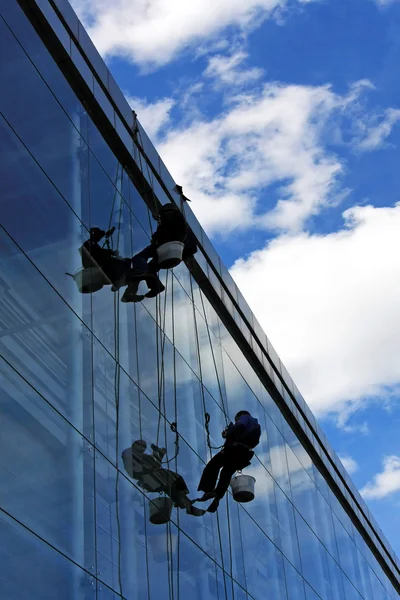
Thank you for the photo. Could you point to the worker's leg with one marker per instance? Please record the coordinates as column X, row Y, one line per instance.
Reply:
column 236, row 459
column 210, row 473
column 225, row 477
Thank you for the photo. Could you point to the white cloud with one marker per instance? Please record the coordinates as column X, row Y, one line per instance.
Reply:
column 330, row 306
column 154, row 31
column 153, row 116
column 375, row 135
column 228, row 70
column 271, row 137
column 385, row 2
column 349, row 464
column 384, row 483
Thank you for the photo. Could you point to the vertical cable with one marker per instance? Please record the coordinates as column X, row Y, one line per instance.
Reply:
column 117, row 381
column 141, row 437
column 214, row 360
column 230, row 545
column 205, row 411
column 177, row 434
column 242, row 548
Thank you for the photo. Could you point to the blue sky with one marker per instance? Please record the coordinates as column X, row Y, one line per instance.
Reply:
column 281, row 119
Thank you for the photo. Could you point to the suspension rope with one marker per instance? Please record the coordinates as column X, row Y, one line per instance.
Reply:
column 141, row 437
column 242, row 549
column 177, row 435
column 207, row 416
column 214, row 359
column 222, row 557
column 207, row 420
column 150, row 178
column 117, row 382
column 230, row 545
column 106, row 242
column 160, row 331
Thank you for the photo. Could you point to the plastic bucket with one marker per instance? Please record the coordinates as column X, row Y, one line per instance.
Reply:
column 169, row 255
column 90, row 280
column 160, row 510
column 161, row 544
column 243, row 488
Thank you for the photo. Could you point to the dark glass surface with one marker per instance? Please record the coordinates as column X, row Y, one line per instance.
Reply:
column 83, row 376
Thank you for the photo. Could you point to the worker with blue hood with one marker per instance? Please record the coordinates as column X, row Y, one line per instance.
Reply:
column 241, row 437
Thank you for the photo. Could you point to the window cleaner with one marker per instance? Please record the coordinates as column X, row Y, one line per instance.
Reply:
column 241, row 438
column 147, row 469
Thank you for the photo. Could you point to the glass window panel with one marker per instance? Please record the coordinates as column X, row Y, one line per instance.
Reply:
column 314, row 560
column 69, row 15
column 287, row 526
column 43, row 340
column 120, row 100
column 264, row 563
column 92, row 54
column 294, row 583
column 347, row 552
column 46, row 471
column 277, row 461
column 187, row 329
column 311, row 594
column 55, row 23
column 82, row 66
column 350, row 592
column 30, row 565
column 54, row 153
column 149, row 151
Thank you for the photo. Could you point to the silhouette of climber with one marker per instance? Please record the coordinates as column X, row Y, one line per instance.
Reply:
column 131, row 271
column 172, row 227
column 240, row 438
column 151, row 476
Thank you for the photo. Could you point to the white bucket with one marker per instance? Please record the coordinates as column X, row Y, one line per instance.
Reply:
column 243, row 488
column 160, row 510
column 161, row 545
column 169, row 255
column 90, row 280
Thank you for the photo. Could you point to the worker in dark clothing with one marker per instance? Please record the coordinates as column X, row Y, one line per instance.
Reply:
column 151, row 476
column 172, row 227
column 240, row 439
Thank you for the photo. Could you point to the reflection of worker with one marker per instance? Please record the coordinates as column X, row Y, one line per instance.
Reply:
column 152, row 477
column 240, row 438
column 119, row 271
column 93, row 255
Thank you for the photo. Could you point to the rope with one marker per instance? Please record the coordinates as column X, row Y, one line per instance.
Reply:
column 207, row 419
column 207, row 416
column 116, row 392
column 222, row 557
column 117, row 379
column 160, row 369
column 141, row 437
column 107, row 238
column 214, row 360
column 117, row 382
column 230, row 545
column 177, row 435
column 242, row 549
column 139, row 141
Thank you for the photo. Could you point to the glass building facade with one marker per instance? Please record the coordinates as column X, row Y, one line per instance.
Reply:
column 84, row 375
